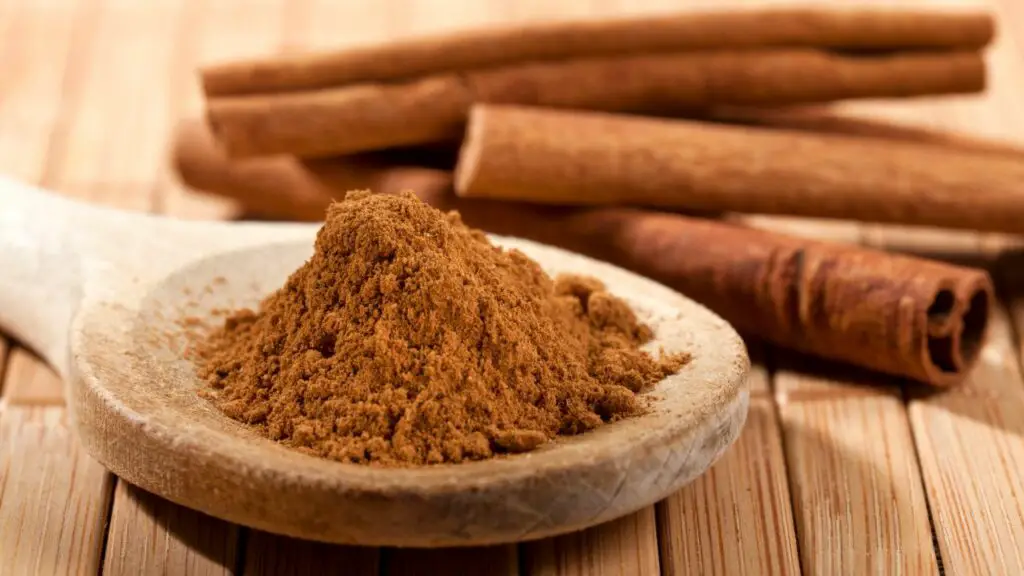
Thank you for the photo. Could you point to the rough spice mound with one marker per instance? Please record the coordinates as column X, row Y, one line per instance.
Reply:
column 409, row 339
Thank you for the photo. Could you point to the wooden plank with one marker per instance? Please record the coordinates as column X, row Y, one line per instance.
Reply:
column 970, row 439
column 149, row 535
column 273, row 555
column 857, row 493
column 483, row 560
column 962, row 456
column 53, row 497
column 627, row 547
column 737, row 518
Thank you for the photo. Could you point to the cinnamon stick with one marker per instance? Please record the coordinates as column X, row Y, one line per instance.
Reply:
column 376, row 116
column 852, row 29
column 905, row 316
column 901, row 315
column 550, row 156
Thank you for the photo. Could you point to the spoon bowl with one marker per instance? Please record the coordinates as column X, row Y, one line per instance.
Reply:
column 109, row 298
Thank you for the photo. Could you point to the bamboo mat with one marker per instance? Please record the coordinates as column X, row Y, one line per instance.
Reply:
column 835, row 472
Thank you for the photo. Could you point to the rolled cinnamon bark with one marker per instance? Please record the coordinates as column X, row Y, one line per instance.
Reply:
column 855, row 28
column 367, row 117
column 906, row 316
column 901, row 315
column 551, row 156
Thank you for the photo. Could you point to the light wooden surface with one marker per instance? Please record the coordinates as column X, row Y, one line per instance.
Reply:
column 829, row 476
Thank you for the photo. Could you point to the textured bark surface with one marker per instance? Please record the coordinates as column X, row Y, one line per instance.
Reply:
column 550, row 156
column 830, row 27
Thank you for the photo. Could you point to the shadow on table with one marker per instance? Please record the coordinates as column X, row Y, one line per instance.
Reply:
column 214, row 540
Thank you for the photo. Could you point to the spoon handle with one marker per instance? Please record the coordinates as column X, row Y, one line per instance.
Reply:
column 42, row 239
column 55, row 252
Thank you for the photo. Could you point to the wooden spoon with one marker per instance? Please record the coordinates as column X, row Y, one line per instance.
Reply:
column 100, row 294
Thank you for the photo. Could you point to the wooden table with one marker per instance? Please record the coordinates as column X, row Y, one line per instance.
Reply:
column 835, row 473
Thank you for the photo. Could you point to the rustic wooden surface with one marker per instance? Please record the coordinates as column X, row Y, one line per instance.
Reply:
column 835, row 473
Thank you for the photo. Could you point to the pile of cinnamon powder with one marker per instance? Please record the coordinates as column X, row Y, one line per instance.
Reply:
column 408, row 339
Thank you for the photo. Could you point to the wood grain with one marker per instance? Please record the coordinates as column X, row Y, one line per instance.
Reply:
column 737, row 518
column 971, row 445
column 149, row 535
column 31, row 382
column 35, row 45
column 624, row 547
column 53, row 497
column 859, row 504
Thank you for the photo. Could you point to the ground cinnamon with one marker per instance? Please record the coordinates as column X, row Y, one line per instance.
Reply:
column 363, row 117
column 852, row 29
column 408, row 339
column 550, row 156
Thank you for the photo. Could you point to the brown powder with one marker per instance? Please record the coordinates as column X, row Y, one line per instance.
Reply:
column 409, row 339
